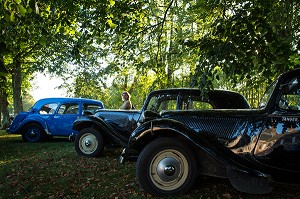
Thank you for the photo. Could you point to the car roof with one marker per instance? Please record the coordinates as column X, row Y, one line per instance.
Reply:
column 221, row 99
column 192, row 90
column 44, row 101
column 289, row 74
column 224, row 99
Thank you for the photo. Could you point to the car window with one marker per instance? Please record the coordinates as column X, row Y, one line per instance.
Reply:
column 162, row 102
column 290, row 96
column 266, row 97
column 177, row 102
column 169, row 104
column 68, row 108
column 48, row 109
column 191, row 102
column 91, row 107
column 197, row 105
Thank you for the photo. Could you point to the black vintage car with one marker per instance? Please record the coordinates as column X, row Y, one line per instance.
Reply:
column 114, row 127
column 254, row 148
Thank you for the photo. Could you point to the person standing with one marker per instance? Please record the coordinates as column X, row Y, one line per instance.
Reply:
column 126, row 101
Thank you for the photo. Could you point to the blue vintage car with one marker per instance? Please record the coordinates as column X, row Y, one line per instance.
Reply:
column 52, row 117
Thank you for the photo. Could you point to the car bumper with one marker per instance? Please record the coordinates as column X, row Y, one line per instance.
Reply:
column 9, row 131
column 72, row 137
column 128, row 155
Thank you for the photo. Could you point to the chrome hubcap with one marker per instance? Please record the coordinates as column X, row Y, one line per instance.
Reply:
column 32, row 133
column 88, row 143
column 169, row 170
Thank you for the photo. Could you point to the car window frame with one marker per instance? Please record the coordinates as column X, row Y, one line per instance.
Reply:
column 51, row 111
column 286, row 90
column 68, row 105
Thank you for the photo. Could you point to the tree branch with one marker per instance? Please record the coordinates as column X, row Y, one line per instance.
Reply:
column 162, row 26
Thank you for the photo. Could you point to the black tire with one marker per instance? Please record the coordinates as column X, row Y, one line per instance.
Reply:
column 33, row 132
column 89, row 142
column 166, row 167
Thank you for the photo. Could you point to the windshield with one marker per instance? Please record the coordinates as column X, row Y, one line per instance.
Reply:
column 266, row 97
column 290, row 95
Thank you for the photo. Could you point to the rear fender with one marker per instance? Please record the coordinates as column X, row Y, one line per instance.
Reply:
column 17, row 129
column 17, row 122
column 39, row 121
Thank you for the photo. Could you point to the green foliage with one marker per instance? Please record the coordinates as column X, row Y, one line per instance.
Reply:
column 108, row 89
column 3, row 71
column 102, row 48
column 27, row 27
column 28, row 102
column 188, row 44
column 148, row 39
column 249, row 38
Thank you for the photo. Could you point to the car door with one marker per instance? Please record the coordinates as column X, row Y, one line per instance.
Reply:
column 64, row 118
column 279, row 143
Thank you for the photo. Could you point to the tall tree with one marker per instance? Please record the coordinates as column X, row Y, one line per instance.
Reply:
column 26, row 28
column 4, row 114
column 35, row 33
column 88, row 41
column 248, row 39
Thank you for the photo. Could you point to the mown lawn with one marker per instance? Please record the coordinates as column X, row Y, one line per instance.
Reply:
column 53, row 170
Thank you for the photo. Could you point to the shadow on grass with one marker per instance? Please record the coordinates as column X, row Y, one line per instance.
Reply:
column 53, row 169
column 206, row 187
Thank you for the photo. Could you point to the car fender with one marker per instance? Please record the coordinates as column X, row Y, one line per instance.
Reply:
column 17, row 129
column 150, row 130
column 92, row 121
column 18, row 119
column 164, row 127
column 202, row 141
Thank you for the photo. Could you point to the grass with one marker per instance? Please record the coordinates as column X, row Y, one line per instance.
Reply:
column 53, row 170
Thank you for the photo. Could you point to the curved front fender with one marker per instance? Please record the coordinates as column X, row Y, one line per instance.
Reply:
column 161, row 127
column 199, row 141
column 92, row 121
column 87, row 121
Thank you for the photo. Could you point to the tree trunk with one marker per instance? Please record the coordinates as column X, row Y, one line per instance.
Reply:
column 17, row 88
column 5, row 122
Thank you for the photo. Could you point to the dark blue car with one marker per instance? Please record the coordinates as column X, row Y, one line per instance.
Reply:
column 52, row 117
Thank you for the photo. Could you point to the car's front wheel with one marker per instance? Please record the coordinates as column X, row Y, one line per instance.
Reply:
column 33, row 133
column 89, row 142
column 166, row 167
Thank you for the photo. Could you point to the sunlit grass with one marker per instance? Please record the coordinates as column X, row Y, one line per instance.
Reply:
column 4, row 135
